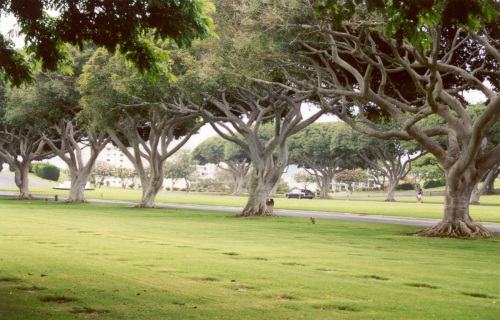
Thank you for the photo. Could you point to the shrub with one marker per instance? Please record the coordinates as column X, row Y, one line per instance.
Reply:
column 405, row 186
column 167, row 188
column 434, row 184
column 47, row 171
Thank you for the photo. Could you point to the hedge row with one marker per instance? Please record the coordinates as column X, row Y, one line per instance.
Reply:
column 434, row 184
column 46, row 171
column 405, row 186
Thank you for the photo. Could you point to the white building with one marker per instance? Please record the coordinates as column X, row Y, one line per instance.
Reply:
column 115, row 157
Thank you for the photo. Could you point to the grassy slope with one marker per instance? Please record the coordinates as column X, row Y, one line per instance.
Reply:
column 175, row 264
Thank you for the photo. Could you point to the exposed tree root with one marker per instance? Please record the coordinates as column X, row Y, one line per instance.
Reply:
column 457, row 229
column 390, row 200
column 75, row 201
column 24, row 196
column 140, row 205
column 265, row 213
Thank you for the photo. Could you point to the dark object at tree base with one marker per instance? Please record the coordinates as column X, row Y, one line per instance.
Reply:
column 76, row 201
column 255, row 214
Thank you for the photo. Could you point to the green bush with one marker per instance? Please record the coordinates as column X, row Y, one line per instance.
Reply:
column 47, row 171
column 405, row 186
column 434, row 184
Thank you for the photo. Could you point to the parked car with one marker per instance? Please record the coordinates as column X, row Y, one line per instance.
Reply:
column 304, row 193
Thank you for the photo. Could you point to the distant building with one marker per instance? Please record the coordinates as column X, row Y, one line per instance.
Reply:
column 115, row 157
column 207, row 171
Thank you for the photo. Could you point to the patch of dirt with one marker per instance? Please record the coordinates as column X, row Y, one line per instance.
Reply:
column 86, row 311
column 205, row 279
column 374, row 277
column 9, row 279
column 479, row 295
column 31, row 289
column 294, row 264
column 337, row 307
column 58, row 299
column 421, row 285
column 282, row 297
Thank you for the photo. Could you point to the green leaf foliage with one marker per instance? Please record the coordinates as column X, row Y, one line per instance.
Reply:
column 117, row 26
column 408, row 19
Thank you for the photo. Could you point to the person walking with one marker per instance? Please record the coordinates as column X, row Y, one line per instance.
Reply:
column 420, row 193
column 347, row 193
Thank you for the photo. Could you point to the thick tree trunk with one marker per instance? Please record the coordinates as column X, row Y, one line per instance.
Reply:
column 256, row 204
column 239, row 181
column 274, row 188
column 475, row 196
column 324, row 186
column 490, row 187
column 457, row 222
column 265, row 175
column 489, row 182
column 393, row 184
column 152, row 187
column 148, row 198
column 21, row 178
column 78, row 182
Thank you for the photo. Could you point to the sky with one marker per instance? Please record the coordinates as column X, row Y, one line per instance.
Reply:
column 7, row 23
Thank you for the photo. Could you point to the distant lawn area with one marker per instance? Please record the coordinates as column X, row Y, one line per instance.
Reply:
column 405, row 206
column 65, row 261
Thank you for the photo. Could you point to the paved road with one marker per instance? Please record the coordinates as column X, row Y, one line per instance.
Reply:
column 413, row 222
column 7, row 181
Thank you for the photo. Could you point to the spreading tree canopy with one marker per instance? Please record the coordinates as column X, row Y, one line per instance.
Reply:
column 413, row 60
column 118, row 26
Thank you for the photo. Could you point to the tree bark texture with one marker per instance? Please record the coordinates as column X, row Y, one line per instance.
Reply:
column 21, row 177
column 391, row 189
column 457, row 222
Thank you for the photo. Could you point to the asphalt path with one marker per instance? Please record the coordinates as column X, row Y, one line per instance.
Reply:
column 413, row 222
column 7, row 181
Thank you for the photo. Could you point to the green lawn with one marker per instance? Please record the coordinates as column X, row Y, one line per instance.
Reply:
column 115, row 262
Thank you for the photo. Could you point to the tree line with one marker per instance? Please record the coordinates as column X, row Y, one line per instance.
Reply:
column 393, row 71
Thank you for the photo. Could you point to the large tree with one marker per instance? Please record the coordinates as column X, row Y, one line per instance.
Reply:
column 414, row 67
column 129, row 108
column 115, row 25
column 239, row 115
column 226, row 156
column 20, row 143
column 51, row 106
column 314, row 150
column 392, row 158
column 239, row 109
